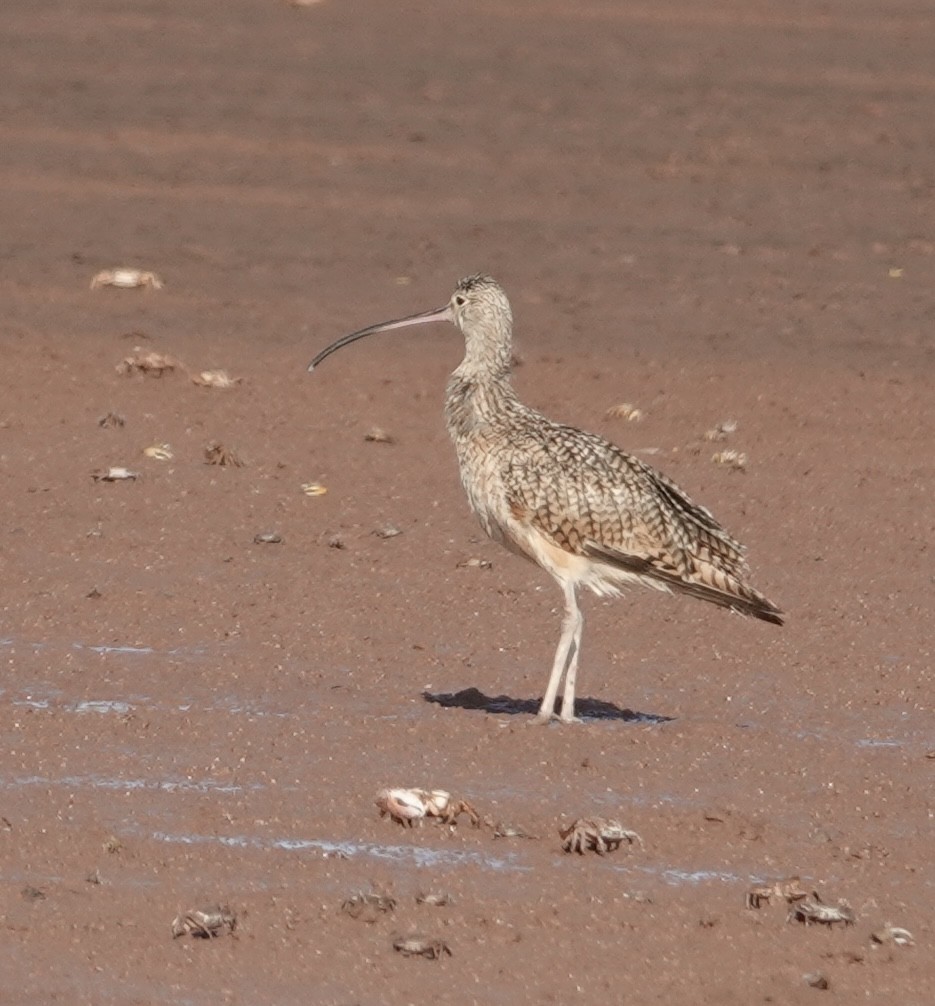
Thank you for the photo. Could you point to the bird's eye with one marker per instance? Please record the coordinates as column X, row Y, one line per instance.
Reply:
column 459, row 300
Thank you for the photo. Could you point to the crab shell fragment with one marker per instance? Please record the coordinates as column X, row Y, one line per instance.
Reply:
column 115, row 474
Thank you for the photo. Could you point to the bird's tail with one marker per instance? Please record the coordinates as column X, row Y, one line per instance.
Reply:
column 706, row 582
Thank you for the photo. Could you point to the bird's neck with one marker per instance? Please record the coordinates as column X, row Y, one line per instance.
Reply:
column 474, row 398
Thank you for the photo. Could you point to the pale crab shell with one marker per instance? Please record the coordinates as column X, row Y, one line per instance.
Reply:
column 402, row 804
column 126, row 279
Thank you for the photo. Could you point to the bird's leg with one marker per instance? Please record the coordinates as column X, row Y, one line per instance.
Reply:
column 571, row 672
column 565, row 660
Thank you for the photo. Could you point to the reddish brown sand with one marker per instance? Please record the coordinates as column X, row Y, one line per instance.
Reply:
column 710, row 210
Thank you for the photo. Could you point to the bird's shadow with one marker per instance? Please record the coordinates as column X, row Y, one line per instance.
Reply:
column 585, row 709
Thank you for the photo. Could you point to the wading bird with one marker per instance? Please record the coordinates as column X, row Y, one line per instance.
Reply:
column 571, row 502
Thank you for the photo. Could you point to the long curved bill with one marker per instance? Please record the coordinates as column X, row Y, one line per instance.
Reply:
column 438, row 314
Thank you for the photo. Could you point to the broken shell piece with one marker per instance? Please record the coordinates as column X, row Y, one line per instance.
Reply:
column 722, row 430
column 146, row 361
column 215, row 379
column 159, row 452
column 377, row 435
column 368, row 906
column 387, row 531
column 597, row 833
column 217, row 454
column 204, row 922
column 421, row 946
column 625, row 411
column 313, row 489
column 114, row 474
column 126, row 279
column 893, row 934
column 267, row 538
column 735, row 460
column 436, row 899
column 813, row 909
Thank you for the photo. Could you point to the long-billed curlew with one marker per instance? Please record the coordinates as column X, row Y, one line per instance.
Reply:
column 570, row 501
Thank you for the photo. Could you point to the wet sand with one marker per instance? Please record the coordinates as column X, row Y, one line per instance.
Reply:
column 716, row 212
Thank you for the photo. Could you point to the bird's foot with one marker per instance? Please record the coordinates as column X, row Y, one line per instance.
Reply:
column 543, row 719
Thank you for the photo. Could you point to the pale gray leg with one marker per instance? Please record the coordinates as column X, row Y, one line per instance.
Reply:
column 566, row 659
column 571, row 673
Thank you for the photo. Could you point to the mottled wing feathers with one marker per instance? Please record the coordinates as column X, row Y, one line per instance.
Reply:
column 592, row 499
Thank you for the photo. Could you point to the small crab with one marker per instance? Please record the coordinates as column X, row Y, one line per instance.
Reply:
column 204, row 922
column 722, row 431
column 147, row 361
column 501, row 830
column 812, row 909
column 421, row 946
column 377, row 435
column 434, row 898
column 217, row 454
column 159, row 452
column 126, row 279
column 889, row 933
column 789, row 890
column 215, row 379
column 597, row 833
column 625, row 411
column 410, row 805
column 475, row 564
column 114, row 474
column 735, row 460
column 368, row 906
